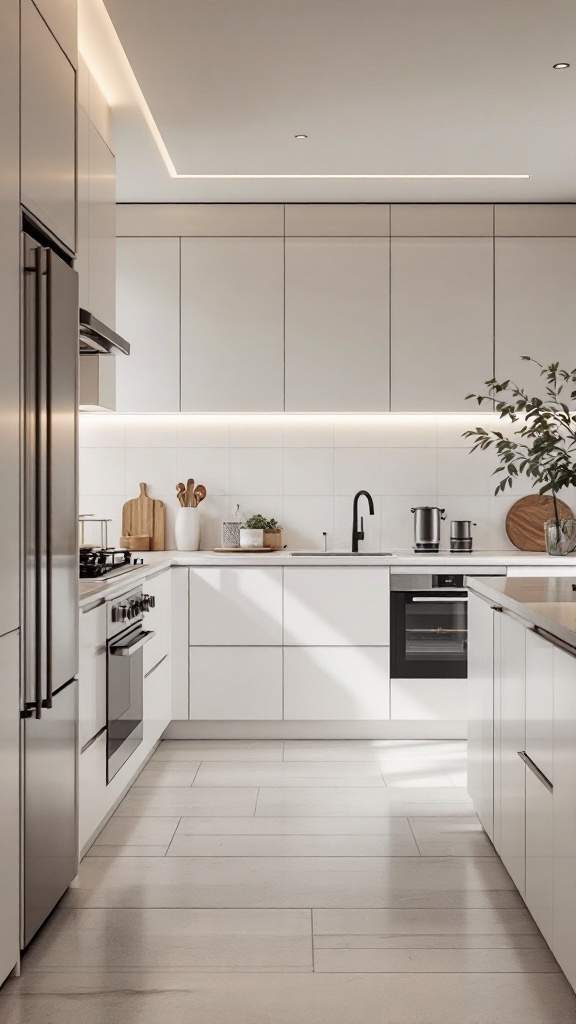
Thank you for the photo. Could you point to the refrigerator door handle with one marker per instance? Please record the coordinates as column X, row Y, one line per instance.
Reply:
column 39, row 427
column 45, row 458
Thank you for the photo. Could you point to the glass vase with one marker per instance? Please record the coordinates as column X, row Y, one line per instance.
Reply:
column 560, row 536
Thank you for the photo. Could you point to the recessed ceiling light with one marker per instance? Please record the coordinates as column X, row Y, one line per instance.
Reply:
column 560, row 67
column 300, row 136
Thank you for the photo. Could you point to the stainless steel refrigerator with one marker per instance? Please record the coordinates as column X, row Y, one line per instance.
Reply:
column 50, row 573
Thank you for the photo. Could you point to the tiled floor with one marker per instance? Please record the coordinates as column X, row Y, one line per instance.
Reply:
column 273, row 883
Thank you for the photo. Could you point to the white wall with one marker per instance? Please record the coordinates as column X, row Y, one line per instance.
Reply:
column 302, row 470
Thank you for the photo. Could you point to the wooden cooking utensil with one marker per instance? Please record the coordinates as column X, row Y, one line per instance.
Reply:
column 181, row 494
column 525, row 520
column 189, row 492
column 199, row 494
column 144, row 517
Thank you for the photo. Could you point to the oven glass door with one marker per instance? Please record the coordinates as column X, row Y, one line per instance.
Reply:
column 125, row 697
column 429, row 634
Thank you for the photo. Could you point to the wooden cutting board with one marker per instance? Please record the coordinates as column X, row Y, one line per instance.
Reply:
column 144, row 516
column 525, row 520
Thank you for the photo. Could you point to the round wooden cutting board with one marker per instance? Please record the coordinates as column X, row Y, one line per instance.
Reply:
column 525, row 520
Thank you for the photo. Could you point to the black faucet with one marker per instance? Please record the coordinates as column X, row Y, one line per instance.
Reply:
column 358, row 534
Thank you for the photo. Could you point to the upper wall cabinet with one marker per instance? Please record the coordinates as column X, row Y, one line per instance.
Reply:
column 337, row 324
column 62, row 17
column 48, row 131
column 535, row 305
column 441, row 321
column 232, row 325
column 148, row 316
column 102, row 229
column 320, row 220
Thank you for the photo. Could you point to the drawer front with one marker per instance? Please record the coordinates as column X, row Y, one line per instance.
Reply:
column 236, row 683
column 540, row 855
column 236, row 606
column 428, row 700
column 336, row 683
column 92, row 674
column 337, row 607
column 157, row 701
column 158, row 619
column 540, row 703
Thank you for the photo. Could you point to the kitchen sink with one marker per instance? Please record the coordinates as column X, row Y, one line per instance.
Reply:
column 341, row 554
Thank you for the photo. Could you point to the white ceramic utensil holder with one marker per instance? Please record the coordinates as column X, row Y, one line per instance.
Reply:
column 251, row 538
column 187, row 529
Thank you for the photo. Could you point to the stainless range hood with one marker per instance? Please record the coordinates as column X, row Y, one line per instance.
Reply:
column 98, row 347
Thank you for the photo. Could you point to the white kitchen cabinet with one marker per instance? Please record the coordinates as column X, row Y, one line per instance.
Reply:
column 331, row 606
column 337, row 325
column 564, row 944
column 481, row 709
column 180, row 650
column 535, row 311
column 232, row 325
column 540, row 702
column 157, row 700
column 539, row 894
column 102, row 230
column 62, row 18
column 158, row 619
column 233, row 607
column 94, row 796
column 92, row 674
column 48, row 128
column 236, row 683
column 148, row 316
column 9, row 802
column 325, row 220
column 428, row 700
column 510, row 797
column 441, row 318
column 82, row 261
column 336, row 683
column 442, row 220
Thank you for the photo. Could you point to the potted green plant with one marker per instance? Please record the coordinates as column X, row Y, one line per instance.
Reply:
column 261, row 532
column 543, row 447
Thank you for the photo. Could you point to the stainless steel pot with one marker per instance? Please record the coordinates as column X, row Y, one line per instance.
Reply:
column 427, row 519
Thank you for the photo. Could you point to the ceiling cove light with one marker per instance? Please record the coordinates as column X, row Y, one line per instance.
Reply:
column 560, row 67
column 106, row 58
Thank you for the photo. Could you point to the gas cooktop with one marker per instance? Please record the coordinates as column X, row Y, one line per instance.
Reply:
column 98, row 562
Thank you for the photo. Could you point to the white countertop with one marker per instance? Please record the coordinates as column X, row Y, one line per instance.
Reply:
column 155, row 561
column 548, row 603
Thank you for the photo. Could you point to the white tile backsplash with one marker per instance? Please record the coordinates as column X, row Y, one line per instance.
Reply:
column 301, row 470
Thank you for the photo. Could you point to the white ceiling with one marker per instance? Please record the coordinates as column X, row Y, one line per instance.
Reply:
column 379, row 87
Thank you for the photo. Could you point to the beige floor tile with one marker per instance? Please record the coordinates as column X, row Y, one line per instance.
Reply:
column 160, row 774
column 191, row 940
column 366, row 826
column 342, row 802
column 220, row 750
column 431, row 941
column 451, row 837
column 377, row 924
column 408, row 773
column 447, row 961
column 307, row 773
column 138, row 831
column 285, row 882
column 158, row 998
column 375, row 750
column 127, row 851
column 293, row 846
column 170, row 801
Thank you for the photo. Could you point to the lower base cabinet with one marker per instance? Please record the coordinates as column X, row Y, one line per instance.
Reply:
column 564, row 944
column 157, row 701
column 336, row 683
column 236, row 683
column 539, row 894
column 510, row 778
column 428, row 700
column 94, row 799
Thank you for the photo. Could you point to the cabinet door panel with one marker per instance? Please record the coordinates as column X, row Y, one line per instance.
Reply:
column 48, row 140
column 158, row 619
column 441, row 321
column 102, row 213
column 236, row 683
column 157, row 701
column 148, row 316
column 336, row 683
column 82, row 262
column 540, row 702
column 232, row 325
column 565, row 813
column 481, row 710
column 535, row 312
column 337, row 325
column 540, row 855
column 9, row 802
column 336, row 607
column 236, row 606
column 92, row 674
column 428, row 700
column 512, row 740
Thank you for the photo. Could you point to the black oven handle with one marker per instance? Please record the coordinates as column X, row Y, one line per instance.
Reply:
column 125, row 650
column 436, row 600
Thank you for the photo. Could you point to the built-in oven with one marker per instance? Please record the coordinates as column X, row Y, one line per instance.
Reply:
column 429, row 622
column 126, row 639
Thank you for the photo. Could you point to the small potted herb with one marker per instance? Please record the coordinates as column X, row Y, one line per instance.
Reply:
column 259, row 532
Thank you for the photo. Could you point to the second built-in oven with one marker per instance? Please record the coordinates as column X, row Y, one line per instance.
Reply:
column 125, row 677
